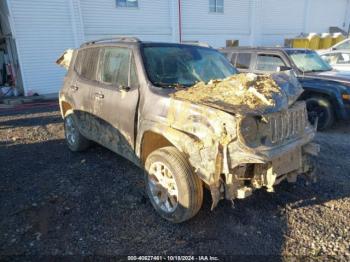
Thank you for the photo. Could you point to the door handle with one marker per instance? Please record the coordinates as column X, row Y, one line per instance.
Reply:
column 124, row 88
column 99, row 95
column 74, row 87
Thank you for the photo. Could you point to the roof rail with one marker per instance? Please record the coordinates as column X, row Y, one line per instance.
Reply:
column 203, row 44
column 110, row 39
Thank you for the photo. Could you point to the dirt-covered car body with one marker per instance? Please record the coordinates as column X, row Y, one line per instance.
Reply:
column 231, row 151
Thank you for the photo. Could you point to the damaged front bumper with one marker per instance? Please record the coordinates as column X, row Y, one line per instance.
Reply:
column 245, row 171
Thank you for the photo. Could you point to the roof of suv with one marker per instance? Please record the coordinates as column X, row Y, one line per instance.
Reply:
column 122, row 39
column 249, row 48
column 135, row 40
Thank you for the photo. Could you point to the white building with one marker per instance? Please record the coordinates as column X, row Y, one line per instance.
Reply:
column 38, row 31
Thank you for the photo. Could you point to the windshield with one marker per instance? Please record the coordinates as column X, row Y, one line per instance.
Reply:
column 343, row 45
column 309, row 61
column 182, row 65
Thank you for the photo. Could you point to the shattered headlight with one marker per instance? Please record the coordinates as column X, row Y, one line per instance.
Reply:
column 248, row 131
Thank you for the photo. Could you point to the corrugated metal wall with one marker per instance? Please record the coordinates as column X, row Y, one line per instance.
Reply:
column 201, row 25
column 282, row 19
column 151, row 20
column 43, row 29
column 325, row 13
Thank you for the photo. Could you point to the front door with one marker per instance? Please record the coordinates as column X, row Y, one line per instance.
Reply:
column 116, row 98
column 267, row 63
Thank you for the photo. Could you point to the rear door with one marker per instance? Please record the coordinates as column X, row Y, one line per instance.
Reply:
column 116, row 98
column 242, row 61
column 83, row 80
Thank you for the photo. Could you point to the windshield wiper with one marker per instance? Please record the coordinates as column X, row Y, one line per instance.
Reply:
column 171, row 85
column 315, row 71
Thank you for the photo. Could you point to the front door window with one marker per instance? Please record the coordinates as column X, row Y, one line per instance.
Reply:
column 115, row 67
column 268, row 63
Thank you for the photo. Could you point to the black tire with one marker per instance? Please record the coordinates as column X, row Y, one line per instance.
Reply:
column 75, row 140
column 322, row 108
column 189, row 186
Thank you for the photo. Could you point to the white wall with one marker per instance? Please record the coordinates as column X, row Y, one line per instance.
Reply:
column 42, row 31
column 150, row 21
column 215, row 28
column 258, row 22
column 282, row 19
column 325, row 13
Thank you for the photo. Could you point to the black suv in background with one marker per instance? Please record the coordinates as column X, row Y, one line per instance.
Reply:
column 327, row 91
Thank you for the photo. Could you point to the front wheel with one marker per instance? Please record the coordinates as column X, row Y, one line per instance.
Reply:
column 320, row 108
column 175, row 191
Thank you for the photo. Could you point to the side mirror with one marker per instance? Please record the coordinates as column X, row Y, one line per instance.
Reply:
column 283, row 68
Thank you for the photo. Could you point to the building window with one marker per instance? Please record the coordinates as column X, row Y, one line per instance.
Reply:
column 127, row 3
column 216, row 6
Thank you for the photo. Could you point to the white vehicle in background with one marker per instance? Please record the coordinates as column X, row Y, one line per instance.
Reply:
column 343, row 45
column 338, row 59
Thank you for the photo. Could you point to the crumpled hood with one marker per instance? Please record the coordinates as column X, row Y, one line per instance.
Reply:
column 333, row 75
column 289, row 84
column 267, row 94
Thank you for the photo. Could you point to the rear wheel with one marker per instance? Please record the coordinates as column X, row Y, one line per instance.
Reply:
column 175, row 191
column 74, row 139
column 321, row 108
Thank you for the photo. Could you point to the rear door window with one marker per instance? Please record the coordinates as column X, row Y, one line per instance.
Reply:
column 233, row 59
column 86, row 63
column 78, row 62
column 268, row 63
column 134, row 81
column 243, row 60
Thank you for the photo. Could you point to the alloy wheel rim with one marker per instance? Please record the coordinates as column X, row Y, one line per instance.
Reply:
column 70, row 131
column 163, row 188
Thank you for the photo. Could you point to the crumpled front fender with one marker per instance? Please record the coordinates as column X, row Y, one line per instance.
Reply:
column 183, row 141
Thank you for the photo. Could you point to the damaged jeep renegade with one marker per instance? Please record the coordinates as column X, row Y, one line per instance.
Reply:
column 183, row 114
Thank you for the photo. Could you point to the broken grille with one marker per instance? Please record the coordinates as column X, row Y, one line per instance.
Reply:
column 287, row 124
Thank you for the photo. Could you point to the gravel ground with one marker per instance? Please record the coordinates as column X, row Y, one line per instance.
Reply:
column 55, row 202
